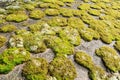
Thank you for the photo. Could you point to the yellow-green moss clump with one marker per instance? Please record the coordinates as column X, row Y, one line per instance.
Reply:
column 110, row 58
column 89, row 34
column 2, row 40
column 17, row 17
column 50, row 5
column 103, row 30
column 36, row 26
column 32, row 42
column 52, row 12
column 59, row 46
column 76, row 23
column 95, row 72
column 29, row 6
column 84, row 6
column 53, row 1
column 117, row 45
column 62, row 68
column 71, row 34
column 8, row 28
column 94, row 12
column 35, row 69
column 57, row 21
column 66, row 12
column 12, row 57
column 37, row 14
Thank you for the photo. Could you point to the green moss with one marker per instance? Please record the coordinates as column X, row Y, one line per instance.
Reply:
column 94, row 12
column 29, row 7
column 2, row 19
column 84, row 59
column 8, row 28
column 53, row 1
column 95, row 72
column 52, row 12
column 66, row 12
column 35, row 69
column 67, row 1
column 49, row 5
column 110, row 58
column 71, row 34
column 76, row 23
column 94, row 6
column 12, row 57
column 117, row 45
column 6, row 68
column 57, row 21
column 76, row 12
column 32, row 42
column 86, row 18
column 89, row 34
column 59, row 46
column 103, row 30
column 37, row 14
column 36, row 26
column 84, row 6
column 62, row 68
column 2, row 40
column 17, row 17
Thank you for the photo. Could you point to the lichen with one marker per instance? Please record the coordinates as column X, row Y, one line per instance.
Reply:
column 2, row 40
column 52, row 12
column 12, row 57
column 37, row 14
column 35, row 69
column 17, row 17
column 57, row 21
column 8, row 28
column 110, row 58
column 62, row 68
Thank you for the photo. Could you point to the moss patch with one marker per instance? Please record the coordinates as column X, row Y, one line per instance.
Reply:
column 32, row 42
column 110, row 58
column 52, row 12
column 95, row 72
column 71, row 34
column 84, row 6
column 89, row 34
column 37, row 14
column 17, row 17
column 94, row 12
column 57, row 21
column 2, row 40
column 12, row 57
column 35, row 69
column 117, row 45
column 8, row 28
column 56, row 44
column 66, row 12
column 62, row 68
